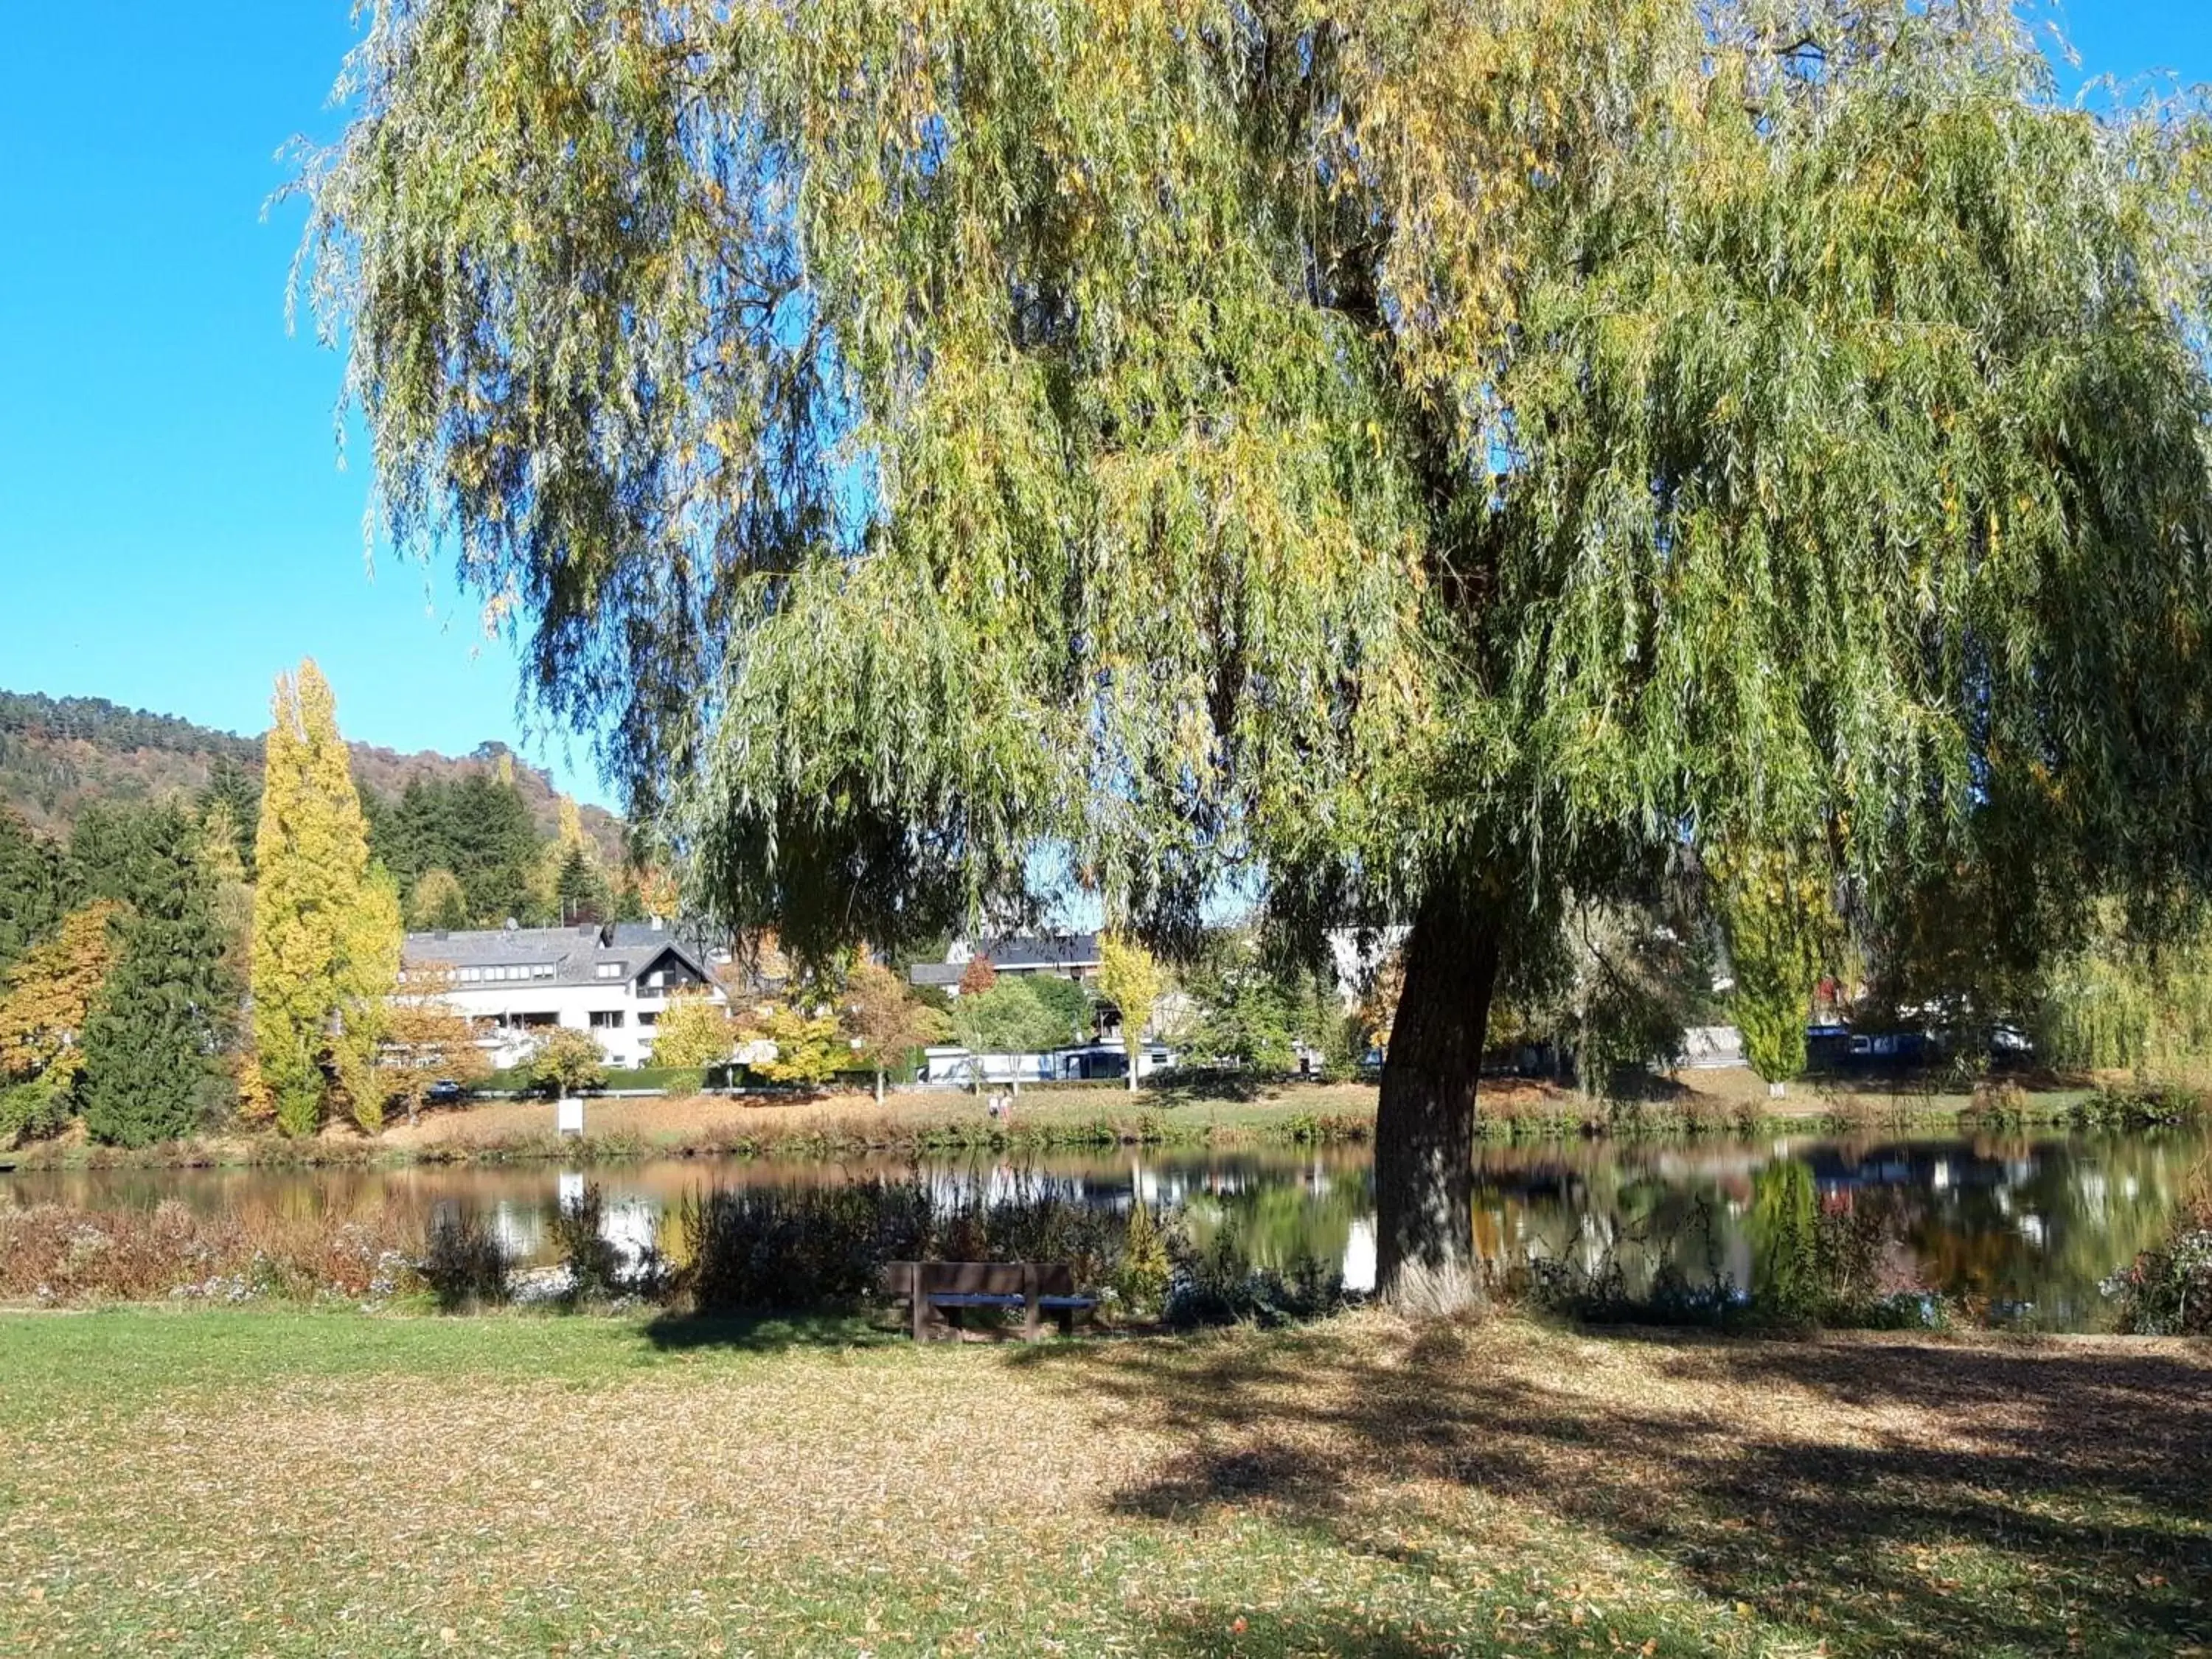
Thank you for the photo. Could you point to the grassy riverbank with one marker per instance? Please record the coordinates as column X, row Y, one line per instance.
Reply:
column 272, row 1483
column 1070, row 1118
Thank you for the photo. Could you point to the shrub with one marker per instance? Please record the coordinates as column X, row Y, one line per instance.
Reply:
column 756, row 1248
column 593, row 1265
column 2142, row 1107
column 465, row 1264
column 58, row 1253
column 33, row 1111
column 675, row 1079
column 2167, row 1292
column 1146, row 1266
column 1810, row 1266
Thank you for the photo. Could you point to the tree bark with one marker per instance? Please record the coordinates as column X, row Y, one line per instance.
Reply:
column 1425, row 1122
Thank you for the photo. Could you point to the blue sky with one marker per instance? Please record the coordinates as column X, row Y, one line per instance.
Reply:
column 174, row 528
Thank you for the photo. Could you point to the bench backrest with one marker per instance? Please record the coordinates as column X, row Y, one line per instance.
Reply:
column 980, row 1278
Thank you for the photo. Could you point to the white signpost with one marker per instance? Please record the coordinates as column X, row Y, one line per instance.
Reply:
column 568, row 1116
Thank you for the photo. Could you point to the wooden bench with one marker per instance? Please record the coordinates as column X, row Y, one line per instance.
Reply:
column 940, row 1293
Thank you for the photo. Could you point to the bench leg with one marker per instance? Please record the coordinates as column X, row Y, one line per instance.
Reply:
column 1067, row 1321
column 920, row 1316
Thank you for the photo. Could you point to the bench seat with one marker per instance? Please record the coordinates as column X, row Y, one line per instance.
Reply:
column 936, row 1293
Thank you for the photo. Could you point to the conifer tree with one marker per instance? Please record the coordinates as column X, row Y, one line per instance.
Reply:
column 230, row 790
column 325, row 928
column 32, row 886
column 157, row 1040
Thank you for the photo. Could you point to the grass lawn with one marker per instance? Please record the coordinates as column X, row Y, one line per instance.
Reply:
column 327, row 1484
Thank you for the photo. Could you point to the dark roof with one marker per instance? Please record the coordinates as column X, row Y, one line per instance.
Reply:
column 575, row 953
column 1059, row 952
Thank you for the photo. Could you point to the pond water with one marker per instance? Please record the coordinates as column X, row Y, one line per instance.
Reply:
column 2025, row 1227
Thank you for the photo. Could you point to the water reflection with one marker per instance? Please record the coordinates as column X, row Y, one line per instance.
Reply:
column 2027, row 1228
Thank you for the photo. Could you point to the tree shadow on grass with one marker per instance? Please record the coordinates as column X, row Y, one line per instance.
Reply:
column 768, row 1333
column 1925, row 1496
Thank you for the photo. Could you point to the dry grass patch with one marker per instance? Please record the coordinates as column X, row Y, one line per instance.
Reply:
column 289, row 1483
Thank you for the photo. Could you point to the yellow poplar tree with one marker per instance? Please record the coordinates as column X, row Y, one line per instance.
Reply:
column 438, row 902
column 1131, row 981
column 325, row 926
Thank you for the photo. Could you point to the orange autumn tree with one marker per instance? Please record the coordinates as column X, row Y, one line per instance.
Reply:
column 425, row 1039
column 885, row 1021
column 45, row 1000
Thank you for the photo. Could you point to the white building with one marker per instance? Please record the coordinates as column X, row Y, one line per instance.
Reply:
column 611, row 979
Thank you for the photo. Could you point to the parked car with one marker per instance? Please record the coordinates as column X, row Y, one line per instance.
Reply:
column 444, row 1092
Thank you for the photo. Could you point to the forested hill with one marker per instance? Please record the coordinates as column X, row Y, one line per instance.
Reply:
column 59, row 755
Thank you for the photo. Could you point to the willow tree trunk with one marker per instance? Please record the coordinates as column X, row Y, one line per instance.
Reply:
column 1425, row 1124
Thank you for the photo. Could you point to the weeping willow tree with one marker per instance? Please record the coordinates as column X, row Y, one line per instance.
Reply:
column 2122, row 1000
column 1415, row 460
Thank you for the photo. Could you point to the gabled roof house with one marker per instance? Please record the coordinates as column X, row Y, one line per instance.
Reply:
column 611, row 979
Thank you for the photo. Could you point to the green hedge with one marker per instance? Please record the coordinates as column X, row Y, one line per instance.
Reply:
column 676, row 1079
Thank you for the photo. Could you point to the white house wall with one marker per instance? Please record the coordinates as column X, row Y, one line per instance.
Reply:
column 628, row 1044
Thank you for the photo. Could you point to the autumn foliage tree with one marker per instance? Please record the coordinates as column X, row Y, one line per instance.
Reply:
column 885, row 1021
column 695, row 1030
column 45, row 1000
column 424, row 1039
column 1432, row 456
column 327, row 925
column 437, row 902
column 810, row 1047
column 1132, row 981
column 566, row 1060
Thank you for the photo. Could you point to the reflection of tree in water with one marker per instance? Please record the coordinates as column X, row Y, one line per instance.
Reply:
column 1310, row 1213
column 1596, row 1212
column 2033, row 1230
column 2028, row 1230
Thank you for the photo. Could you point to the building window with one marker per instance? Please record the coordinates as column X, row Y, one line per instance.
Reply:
column 606, row 1019
column 613, row 969
column 650, row 1017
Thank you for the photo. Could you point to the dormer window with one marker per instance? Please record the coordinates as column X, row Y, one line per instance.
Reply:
column 613, row 969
